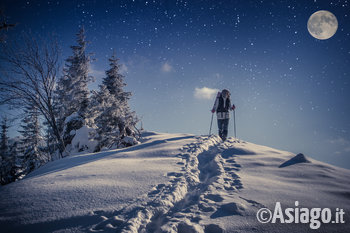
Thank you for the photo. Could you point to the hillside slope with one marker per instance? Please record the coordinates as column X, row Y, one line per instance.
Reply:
column 174, row 183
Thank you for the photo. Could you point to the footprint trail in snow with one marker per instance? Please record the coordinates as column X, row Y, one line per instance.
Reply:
column 206, row 189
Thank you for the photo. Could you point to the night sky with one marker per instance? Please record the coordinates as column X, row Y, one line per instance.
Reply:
column 290, row 89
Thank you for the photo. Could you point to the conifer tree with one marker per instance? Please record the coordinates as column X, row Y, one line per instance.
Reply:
column 114, row 118
column 72, row 89
column 114, row 82
column 31, row 140
column 4, row 137
column 73, row 92
column 108, row 112
column 7, row 163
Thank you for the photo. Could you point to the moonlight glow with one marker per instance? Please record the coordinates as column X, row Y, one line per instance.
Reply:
column 322, row 25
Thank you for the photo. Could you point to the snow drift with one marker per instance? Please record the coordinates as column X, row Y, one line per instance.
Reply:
column 173, row 183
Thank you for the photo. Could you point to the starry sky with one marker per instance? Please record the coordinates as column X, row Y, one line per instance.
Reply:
column 290, row 89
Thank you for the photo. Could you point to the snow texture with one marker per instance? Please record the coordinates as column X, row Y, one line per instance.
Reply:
column 82, row 141
column 173, row 183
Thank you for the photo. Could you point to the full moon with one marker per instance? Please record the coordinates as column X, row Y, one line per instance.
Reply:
column 322, row 25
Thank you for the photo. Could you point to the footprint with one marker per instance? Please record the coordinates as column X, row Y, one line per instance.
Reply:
column 214, row 197
column 230, row 161
column 176, row 174
column 228, row 209
column 175, row 180
column 205, row 207
column 196, row 219
column 159, row 186
column 237, row 184
column 229, row 188
column 187, row 227
column 230, row 169
column 156, row 190
column 111, row 223
column 213, row 228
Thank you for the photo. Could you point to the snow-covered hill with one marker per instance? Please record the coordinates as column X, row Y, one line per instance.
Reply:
column 175, row 183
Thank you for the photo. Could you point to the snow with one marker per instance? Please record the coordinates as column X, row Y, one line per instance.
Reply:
column 82, row 141
column 127, row 140
column 173, row 183
column 72, row 116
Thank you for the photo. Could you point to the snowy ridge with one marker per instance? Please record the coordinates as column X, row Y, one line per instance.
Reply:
column 173, row 183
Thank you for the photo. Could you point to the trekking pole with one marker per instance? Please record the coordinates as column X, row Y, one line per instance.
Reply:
column 211, row 123
column 234, row 123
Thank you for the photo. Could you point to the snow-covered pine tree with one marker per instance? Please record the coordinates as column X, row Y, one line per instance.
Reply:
column 72, row 90
column 16, row 170
column 7, row 162
column 114, row 82
column 4, row 140
column 3, row 150
column 115, row 120
column 108, row 114
column 31, row 141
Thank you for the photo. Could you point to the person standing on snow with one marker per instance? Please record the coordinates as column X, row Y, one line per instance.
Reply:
column 222, row 106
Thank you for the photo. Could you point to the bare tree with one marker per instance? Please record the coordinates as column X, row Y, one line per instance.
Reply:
column 28, row 77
